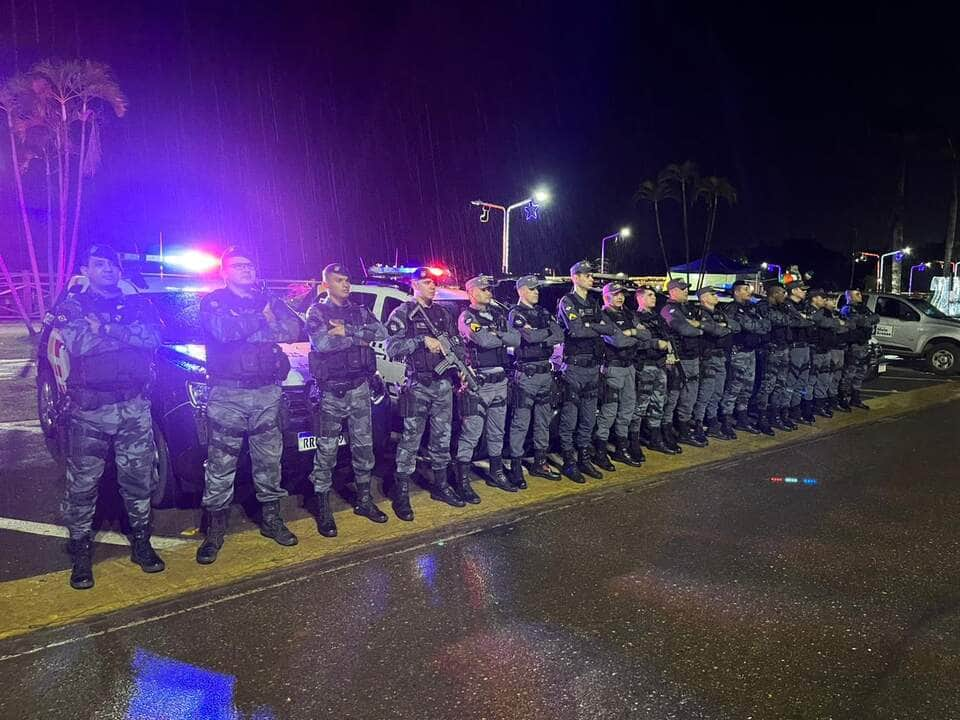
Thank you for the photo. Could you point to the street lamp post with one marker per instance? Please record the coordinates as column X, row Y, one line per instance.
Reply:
column 901, row 253
column 767, row 266
column 923, row 268
column 624, row 232
column 864, row 254
column 540, row 195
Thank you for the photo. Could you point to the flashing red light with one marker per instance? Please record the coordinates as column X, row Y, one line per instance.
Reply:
column 437, row 272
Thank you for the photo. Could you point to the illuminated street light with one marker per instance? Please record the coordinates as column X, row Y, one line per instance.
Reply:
column 899, row 255
column 767, row 266
column 624, row 232
column 862, row 255
column 923, row 268
column 540, row 195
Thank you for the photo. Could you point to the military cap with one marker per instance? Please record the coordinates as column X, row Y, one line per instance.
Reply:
column 335, row 269
column 422, row 273
column 739, row 283
column 101, row 251
column 529, row 281
column 818, row 292
column 235, row 251
column 652, row 288
column 612, row 288
column 706, row 290
column 581, row 268
column 480, row 282
column 678, row 284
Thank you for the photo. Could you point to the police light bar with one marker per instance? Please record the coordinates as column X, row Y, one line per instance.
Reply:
column 403, row 272
column 191, row 261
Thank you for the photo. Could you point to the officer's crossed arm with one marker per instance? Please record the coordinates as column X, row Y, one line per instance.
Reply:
column 678, row 322
column 227, row 326
column 529, row 334
column 615, row 337
column 284, row 326
column 645, row 339
column 712, row 327
column 568, row 315
column 78, row 335
column 397, row 345
column 318, row 327
column 141, row 331
column 484, row 337
column 370, row 331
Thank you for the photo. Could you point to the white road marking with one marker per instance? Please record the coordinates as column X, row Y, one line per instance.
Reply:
column 105, row 537
column 21, row 425
column 878, row 390
column 12, row 368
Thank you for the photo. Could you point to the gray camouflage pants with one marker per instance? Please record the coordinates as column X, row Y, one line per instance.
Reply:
column 352, row 407
column 485, row 410
column 836, row 371
column 126, row 425
column 578, row 414
column 821, row 369
column 713, row 378
column 619, row 401
column 799, row 377
column 534, row 402
column 233, row 413
column 854, row 369
column 740, row 379
column 419, row 403
column 773, row 387
column 651, row 396
column 689, row 389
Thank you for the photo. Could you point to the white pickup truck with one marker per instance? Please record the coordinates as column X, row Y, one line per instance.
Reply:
column 912, row 327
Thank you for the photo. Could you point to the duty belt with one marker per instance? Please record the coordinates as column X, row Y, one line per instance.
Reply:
column 242, row 384
column 619, row 363
column 491, row 377
column 582, row 361
column 97, row 398
column 534, row 368
column 714, row 352
column 341, row 387
column 799, row 344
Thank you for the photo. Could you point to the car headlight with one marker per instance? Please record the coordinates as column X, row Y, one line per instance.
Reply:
column 198, row 392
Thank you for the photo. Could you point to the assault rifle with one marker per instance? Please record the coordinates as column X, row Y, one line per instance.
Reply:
column 450, row 359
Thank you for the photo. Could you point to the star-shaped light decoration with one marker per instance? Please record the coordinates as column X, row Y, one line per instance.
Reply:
column 531, row 211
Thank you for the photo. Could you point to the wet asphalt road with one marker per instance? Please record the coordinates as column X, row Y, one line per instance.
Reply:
column 719, row 594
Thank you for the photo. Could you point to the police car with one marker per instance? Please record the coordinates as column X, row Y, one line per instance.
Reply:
column 179, row 394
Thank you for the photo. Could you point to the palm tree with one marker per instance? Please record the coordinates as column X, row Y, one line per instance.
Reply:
column 684, row 178
column 952, row 213
column 713, row 189
column 10, row 102
column 655, row 192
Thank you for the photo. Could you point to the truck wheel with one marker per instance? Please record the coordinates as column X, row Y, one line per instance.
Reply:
column 48, row 411
column 943, row 358
column 165, row 493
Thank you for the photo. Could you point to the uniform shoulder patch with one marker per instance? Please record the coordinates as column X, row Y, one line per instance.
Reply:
column 475, row 326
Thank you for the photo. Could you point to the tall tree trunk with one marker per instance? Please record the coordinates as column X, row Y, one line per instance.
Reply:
column 61, row 213
column 5, row 271
column 51, row 259
column 686, row 232
column 72, row 256
column 951, row 220
column 663, row 247
column 708, row 238
column 28, row 233
column 64, row 197
column 901, row 206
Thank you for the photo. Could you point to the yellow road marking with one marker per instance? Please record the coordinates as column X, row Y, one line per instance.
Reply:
column 45, row 601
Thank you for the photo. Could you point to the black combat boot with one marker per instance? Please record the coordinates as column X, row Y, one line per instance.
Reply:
column 743, row 423
column 646, row 435
column 670, row 438
column 635, row 443
column 365, row 507
column 764, row 422
column 786, row 419
column 587, row 467
column 624, row 454
column 714, row 429
column 843, row 404
column 685, row 435
column 570, row 467
column 856, row 402
column 515, row 476
column 599, row 456
column 272, row 525
column 806, row 412
column 81, row 554
column 696, row 427
column 142, row 552
column 213, row 540
column 461, row 483
column 659, row 444
column 541, row 468
column 326, row 525
column 440, row 489
column 400, row 497
column 726, row 428
column 496, row 477
column 822, row 408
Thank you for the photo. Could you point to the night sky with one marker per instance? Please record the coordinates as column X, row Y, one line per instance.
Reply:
column 313, row 135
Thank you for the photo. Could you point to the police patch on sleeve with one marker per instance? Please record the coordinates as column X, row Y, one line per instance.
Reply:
column 394, row 326
column 518, row 321
column 475, row 326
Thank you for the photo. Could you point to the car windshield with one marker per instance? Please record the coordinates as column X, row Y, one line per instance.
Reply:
column 180, row 313
column 928, row 309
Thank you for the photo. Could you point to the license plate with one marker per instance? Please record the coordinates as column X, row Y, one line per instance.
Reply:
column 308, row 441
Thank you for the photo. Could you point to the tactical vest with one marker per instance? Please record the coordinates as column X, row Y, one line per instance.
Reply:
column 123, row 369
column 687, row 347
column 713, row 342
column 744, row 339
column 251, row 363
column 478, row 357
column 539, row 319
column 654, row 323
column 422, row 360
column 590, row 346
column 826, row 338
column 625, row 356
column 858, row 335
column 780, row 332
column 351, row 363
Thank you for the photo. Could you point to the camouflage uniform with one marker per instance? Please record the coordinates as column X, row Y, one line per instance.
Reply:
column 743, row 361
column 651, row 374
column 717, row 340
column 425, row 395
column 111, row 370
column 245, row 367
column 341, row 367
column 533, row 379
column 772, row 397
column 687, row 341
column 861, row 321
column 828, row 328
column 799, row 384
column 842, row 334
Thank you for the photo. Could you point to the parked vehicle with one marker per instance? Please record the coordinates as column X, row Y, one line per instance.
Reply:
column 913, row 328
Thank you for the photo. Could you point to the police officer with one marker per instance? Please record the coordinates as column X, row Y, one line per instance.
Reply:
column 111, row 339
column 533, row 384
column 743, row 357
column 861, row 321
column 684, row 323
column 582, row 349
column 799, row 387
column 618, row 398
column 828, row 326
column 772, row 398
column 425, row 394
column 716, row 343
column 242, row 325
column 840, row 342
column 341, row 363
column 651, row 379
column 486, row 337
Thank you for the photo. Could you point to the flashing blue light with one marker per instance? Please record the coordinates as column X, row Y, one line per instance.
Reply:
column 195, row 261
column 809, row 481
